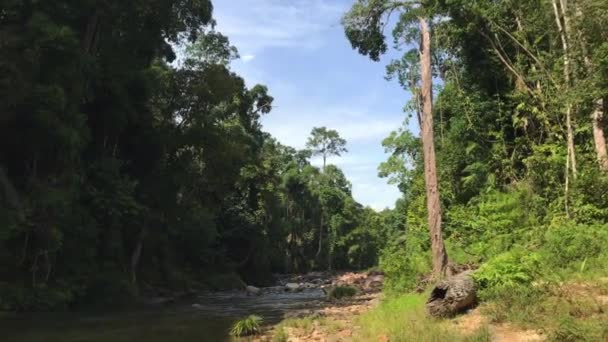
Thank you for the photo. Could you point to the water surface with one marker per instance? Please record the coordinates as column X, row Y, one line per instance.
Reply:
column 205, row 318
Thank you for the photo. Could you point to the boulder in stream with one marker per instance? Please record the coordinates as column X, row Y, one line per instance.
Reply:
column 252, row 290
column 293, row 287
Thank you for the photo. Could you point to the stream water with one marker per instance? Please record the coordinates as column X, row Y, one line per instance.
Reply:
column 206, row 318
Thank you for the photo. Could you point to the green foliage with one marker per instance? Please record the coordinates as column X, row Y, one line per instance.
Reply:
column 403, row 267
column 326, row 142
column 569, row 243
column 570, row 330
column 494, row 222
column 514, row 268
column 119, row 168
column 522, row 304
column 251, row 325
column 280, row 335
column 40, row 298
column 340, row 292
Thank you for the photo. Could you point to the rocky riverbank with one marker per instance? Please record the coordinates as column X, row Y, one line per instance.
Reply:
column 326, row 319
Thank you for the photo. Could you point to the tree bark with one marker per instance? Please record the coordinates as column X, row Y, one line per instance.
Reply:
column 320, row 237
column 600, row 106
column 564, row 35
column 452, row 295
column 440, row 257
column 136, row 255
column 598, row 134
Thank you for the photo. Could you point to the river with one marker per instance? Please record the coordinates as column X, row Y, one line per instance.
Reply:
column 205, row 318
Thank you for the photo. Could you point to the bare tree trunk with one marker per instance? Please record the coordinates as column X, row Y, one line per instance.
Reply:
column 440, row 257
column 600, row 105
column 320, row 237
column 571, row 157
column 570, row 136
column 563, row 33
column 567, row 34
column 91, row 34
column 136, row 255
column 598, row 134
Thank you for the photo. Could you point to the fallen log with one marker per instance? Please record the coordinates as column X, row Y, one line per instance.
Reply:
column 452, row 295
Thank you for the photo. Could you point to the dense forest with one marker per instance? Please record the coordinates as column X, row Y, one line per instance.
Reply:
column 133, row 157
column 516, row 134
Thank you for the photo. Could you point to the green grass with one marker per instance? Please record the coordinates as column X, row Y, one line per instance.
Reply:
column 403, row 319
column 305, row 324
column 250, row 325
column 280, row 335
column 566, row 311
column 340, row 292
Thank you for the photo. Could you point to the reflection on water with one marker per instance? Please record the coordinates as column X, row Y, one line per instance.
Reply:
column 210, row 320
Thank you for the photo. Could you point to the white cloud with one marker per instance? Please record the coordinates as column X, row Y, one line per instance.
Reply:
column 254, row 25
column 247, row 58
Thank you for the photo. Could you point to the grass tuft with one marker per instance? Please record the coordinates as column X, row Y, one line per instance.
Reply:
column 340, row 292
column 250, row 325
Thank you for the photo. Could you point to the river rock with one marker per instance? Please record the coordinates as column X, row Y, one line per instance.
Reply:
column 252, row 290
column 374, row 282
column 293, row 287
column 159, row 301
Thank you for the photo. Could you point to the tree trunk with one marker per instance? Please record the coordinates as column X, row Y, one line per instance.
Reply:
column 564, row 35
column 598, row 134
column 136, row 255
column 440, row 257
column 91, row 34
column 600, row 105
column 320, row 237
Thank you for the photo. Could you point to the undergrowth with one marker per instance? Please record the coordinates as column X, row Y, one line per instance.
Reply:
column 340, row 292
column 403, row 319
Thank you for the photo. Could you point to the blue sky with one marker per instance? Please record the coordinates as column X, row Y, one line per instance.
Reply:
column 298, row 49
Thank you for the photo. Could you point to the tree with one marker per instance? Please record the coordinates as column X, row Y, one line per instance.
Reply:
column 364, row 25
column 324, row 142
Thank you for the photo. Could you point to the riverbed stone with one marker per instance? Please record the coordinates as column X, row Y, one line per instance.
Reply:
column 252, row 290
column 293, row 287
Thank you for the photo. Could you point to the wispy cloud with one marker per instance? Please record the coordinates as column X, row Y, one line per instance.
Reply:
column 247, row 58
column 254, row 25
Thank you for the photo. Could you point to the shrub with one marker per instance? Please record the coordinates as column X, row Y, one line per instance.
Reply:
column 523, row 304
column 340, row 292
column 516, row 267
column 39, row 298
column 403, row 268
column 250, row 325
column 570, row 242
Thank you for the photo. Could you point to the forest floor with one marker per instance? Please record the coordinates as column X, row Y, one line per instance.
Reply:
column 366, row 317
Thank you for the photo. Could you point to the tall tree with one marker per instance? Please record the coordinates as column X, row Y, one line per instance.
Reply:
column 440, row 257
column 326, row 142
column 364, row 25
